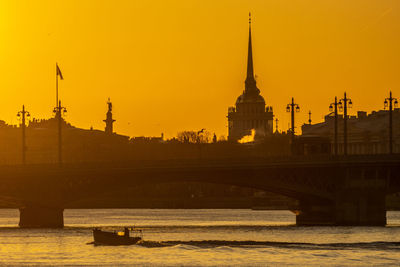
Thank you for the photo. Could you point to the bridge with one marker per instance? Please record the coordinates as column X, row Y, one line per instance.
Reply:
column 330, row 190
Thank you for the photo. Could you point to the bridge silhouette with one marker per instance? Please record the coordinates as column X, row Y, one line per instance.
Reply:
column 330, row 190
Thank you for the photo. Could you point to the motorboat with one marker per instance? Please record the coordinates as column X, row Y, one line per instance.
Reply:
column 129, row 236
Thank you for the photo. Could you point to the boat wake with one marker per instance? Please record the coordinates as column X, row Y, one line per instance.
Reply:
column 221, row 243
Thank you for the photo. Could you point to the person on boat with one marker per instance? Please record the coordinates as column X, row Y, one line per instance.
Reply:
column 126, row 232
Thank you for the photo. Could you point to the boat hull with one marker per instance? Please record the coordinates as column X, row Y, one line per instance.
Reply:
column 113, row 239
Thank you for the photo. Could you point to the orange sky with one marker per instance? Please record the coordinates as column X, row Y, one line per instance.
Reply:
column 178, row 65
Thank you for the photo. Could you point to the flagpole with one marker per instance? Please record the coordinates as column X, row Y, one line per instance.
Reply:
column 58, row 110
column 58, row 117
column 56, row 86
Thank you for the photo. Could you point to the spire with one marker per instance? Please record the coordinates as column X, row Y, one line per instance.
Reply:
column 250, row 83
column 250, row 73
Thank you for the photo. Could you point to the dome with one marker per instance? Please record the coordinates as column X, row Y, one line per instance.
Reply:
column 247, row 98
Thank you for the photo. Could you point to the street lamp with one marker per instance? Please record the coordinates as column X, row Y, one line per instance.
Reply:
column 340, row 105
column 22, row 115
column 345, row 103
column 334, row 107
column 292, row 107
column 59, row 112
column 390, row 101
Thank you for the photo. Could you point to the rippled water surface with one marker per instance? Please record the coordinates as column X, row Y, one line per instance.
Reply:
column 199, row 237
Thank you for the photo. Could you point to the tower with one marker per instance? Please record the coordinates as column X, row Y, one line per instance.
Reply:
column 109, row 120
column 250, row 111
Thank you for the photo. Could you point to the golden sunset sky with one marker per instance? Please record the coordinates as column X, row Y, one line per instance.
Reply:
column 178, row 65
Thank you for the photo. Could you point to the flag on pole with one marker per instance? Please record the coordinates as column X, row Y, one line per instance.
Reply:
column 58, row 72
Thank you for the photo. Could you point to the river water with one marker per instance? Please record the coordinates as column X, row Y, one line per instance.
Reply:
column 199, row 238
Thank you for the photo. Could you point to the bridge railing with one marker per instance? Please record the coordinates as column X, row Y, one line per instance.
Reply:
column 233, row 161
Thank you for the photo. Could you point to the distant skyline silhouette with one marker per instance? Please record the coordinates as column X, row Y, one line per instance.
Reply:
column 179, row 65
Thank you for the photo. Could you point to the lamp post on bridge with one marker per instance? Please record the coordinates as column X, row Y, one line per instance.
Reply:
column 334, row 107
column 292, row 107
column 59, row 111
column 390, row 101
column 344, row 104
column 23, row 114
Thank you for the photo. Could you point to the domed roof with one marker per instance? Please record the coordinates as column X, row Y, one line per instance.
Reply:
column 250, row 98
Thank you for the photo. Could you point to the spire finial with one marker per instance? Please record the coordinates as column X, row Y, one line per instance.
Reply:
column 250, row 83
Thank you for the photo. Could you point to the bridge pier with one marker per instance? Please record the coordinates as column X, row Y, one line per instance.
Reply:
column 366, row 208
column 359, row 199
column 41, row 217
column 351, row 208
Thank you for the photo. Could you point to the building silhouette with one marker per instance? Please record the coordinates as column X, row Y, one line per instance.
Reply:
column 250, row 111
column 109, row 119
column 367, row 133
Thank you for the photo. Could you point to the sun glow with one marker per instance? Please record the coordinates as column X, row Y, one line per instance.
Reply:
column 248, row 138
